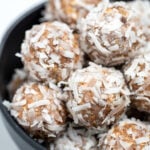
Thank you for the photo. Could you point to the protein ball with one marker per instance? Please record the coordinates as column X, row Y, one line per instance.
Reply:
column 109, row 34
column 39, row 109
column 137, row 75
column 18, row 78
column 126, row 135
column 142, row 6
column 143, row 20
column 50, row 52
column 69, row 11
column 98, row 96
column 75, row 139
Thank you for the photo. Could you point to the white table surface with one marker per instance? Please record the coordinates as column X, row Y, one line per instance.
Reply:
column 9, row 11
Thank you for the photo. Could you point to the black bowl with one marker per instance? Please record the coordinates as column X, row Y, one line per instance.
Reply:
column 8, row 62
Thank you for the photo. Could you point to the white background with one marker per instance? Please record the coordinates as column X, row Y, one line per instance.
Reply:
column 10, row 10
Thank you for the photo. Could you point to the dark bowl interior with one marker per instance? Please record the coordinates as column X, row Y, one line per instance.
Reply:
column 8, row 62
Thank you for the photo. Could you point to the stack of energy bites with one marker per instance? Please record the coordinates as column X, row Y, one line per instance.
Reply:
column 85, row 67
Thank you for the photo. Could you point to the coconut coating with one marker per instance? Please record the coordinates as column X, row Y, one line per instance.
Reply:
column 50, row 52
column 69, row 11
column 18, row 78
column 143, row 7
column 39, row 109
column 137, row 75
column 109, row 33
column 126, row 135
column 75, row 139
column 98, row 96
column 143, row 20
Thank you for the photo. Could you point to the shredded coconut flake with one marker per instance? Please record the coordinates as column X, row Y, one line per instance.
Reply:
column 39, row 103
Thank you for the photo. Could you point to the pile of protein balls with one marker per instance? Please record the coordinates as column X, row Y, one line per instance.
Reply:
column 85, row 84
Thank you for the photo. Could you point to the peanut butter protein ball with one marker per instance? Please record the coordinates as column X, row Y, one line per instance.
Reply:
column 137, row 75
column 126, row 135
column 109, row 33
column 69, row 11
column 39, row 109
column 50, row 52
column 98, row 96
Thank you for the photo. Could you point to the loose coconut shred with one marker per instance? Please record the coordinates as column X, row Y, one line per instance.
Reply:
column 50, row 52
column 126, row 135
column 109, row 33
column 98, row 96
column 137, row 75
column 39, row 109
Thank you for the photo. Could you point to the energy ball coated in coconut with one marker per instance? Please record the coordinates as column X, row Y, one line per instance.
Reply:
column 126, row 135
column 75, row 139
column 109, row 33
column 69, row 11
column 50, row 52
column 98, row 96
column 18, row 78
column 39, row 109
column 137, row 75
column 143, row 20
column 142, row 6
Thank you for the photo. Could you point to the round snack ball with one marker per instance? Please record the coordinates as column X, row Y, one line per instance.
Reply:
column 75, row 139
column 50, row 52
column 143, row 20
column 142, row 6
column 137, row 75
column 18, row 78
column 69, row 11
column 126, row 135
column 39, row 109
column 98, row 96
column 109, row 34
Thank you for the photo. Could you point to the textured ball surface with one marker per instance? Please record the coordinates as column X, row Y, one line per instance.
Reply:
column 98, row 96
column 50, row 52
column 137, row 75
column 39, row 109
column 109, row 34
column 126, row 135
column 19, row 77
column 75, row 139
column 143, row 20
column 69, row 11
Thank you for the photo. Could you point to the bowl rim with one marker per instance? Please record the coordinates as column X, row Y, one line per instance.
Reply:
column 16, row 127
